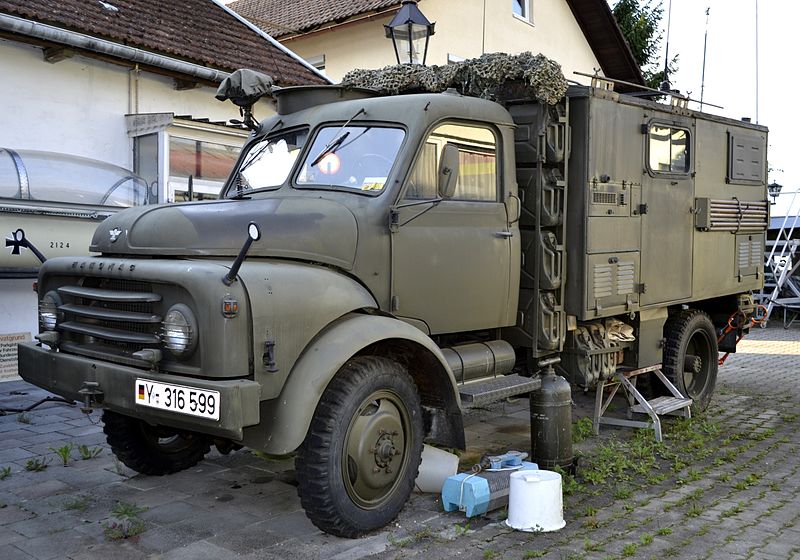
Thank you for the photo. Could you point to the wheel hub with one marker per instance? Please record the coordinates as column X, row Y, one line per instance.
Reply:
column 385, row 450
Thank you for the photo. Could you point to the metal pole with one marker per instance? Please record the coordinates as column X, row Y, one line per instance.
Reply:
column 703, row 78
column 756, row 61
column 665, row 85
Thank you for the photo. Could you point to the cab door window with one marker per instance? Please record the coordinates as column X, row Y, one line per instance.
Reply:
column 477, row 178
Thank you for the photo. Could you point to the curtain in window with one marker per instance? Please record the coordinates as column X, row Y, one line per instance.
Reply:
column 477, row 177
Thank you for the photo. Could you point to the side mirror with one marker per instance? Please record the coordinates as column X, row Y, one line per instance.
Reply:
column 447, row 177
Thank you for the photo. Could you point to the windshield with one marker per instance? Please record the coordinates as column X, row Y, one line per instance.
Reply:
column 267, row 163
column 353, row 157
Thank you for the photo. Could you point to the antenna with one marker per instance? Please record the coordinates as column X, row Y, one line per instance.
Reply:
column 703, row 78
column 665, row 85
column 756, row 61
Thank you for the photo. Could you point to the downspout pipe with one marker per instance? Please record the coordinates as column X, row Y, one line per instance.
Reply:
column 77, row 40
column 269, row 38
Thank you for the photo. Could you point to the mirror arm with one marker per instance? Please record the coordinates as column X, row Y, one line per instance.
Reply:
column 395, row 215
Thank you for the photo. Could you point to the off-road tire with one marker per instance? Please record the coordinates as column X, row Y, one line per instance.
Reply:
column 691, row 332
column 329, row 490
column 152, row 450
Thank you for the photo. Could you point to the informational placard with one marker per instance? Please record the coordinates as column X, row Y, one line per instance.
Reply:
column 8, row 352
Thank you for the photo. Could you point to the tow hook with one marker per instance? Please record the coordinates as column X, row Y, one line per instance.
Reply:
column 90, row 390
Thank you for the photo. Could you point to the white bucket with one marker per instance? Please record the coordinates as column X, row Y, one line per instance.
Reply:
column 436, row 467
column 535, row 502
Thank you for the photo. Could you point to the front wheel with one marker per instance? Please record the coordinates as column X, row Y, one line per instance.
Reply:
column 357, row 465
column 691, row 357
column 153, row 450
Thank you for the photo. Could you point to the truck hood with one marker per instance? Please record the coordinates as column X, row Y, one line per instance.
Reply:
column 310, row 229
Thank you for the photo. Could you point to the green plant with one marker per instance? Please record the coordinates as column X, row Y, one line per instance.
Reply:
column 489, row 554
column 629, row 549
column 24, row 418
column 126, row 510
column 462, row 529
column 664, row 531
column 533, row 554
column 646, row 539
column 79, row 504
column 695, row 510
column 581, row 430
column 5, row 472
column 36, row 465
column 589, row 511
column 623, row 493
column 87, row 452
column 733, row 510
column 64, row 452
column 123, row 528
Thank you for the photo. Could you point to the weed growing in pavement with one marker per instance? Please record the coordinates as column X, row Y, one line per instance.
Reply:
column 569, row 484
column 5, row 472
column 529, row 554
column 762, row 435
column 64, row 452
column 24, row 418
column 589, row 511
column 87, row 452
column 695, row 510
column 125, row 522
column 622, row 493
column 36, row 465
column 664, row 531
column 629, row 550
column 489, row 554
column 646, row 539
column 123, row 529
column 747, row 481
column 78, row 504
column 590, row 546
column 126, row 510
column 581, row 430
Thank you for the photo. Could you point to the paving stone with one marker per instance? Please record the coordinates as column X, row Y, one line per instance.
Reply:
column 43, row 489
column 13, row 514
column 11, row 552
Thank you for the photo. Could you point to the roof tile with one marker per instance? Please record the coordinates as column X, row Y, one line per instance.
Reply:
column 197, row 31
column 285, row 17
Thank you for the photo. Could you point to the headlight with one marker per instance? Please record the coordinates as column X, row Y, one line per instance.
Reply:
column 48, row 311
column 179, row 330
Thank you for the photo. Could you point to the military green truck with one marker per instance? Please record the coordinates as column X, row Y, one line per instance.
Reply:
column 377, row 263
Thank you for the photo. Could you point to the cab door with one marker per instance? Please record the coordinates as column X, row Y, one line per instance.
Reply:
column 451, row 258
column 667, row 219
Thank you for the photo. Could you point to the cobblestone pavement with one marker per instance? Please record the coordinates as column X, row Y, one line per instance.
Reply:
column 724, row 486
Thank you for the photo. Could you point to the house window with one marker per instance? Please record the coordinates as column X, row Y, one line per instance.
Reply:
column 317, row 62
column 522, row 9
column 207, row 163
column 477, row 176
column 668, row 149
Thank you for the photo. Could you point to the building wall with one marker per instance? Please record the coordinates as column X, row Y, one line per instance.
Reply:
column 461, row 31
column 78, row 106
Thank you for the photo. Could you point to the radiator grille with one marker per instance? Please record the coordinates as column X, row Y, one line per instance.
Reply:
column 108, row 318
column 604, row 198
column 733, row 215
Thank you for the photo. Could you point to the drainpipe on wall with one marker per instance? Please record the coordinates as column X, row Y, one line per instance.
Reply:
column 77, row 40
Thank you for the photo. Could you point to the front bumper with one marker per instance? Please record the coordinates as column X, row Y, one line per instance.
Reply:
column 64, row 374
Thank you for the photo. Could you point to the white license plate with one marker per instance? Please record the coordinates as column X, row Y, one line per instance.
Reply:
column 178, row 398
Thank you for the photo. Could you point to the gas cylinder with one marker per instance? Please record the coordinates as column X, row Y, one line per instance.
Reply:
column 551, row 422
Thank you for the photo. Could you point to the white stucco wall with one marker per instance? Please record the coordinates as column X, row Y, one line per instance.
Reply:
column 461, row 30
column 78, row 106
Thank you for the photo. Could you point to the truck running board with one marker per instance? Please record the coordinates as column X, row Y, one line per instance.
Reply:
column 496, row 389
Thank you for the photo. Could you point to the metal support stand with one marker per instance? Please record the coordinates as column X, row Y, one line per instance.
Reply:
column 626, row 379
column 4, row 411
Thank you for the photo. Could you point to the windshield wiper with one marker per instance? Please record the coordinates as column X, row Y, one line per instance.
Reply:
column 330, row 148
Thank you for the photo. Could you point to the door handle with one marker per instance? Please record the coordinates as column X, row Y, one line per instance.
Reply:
column 504, row 233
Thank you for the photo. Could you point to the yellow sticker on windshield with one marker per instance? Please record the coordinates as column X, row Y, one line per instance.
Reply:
column 373, row 183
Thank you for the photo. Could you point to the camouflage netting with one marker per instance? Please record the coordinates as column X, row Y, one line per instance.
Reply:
column 496, row 76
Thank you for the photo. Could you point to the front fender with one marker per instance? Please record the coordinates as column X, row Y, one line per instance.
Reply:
column 285, row 420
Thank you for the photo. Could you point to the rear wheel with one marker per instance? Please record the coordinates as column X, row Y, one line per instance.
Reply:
column 153, row 450
column 357, row 465
column 691, row 357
